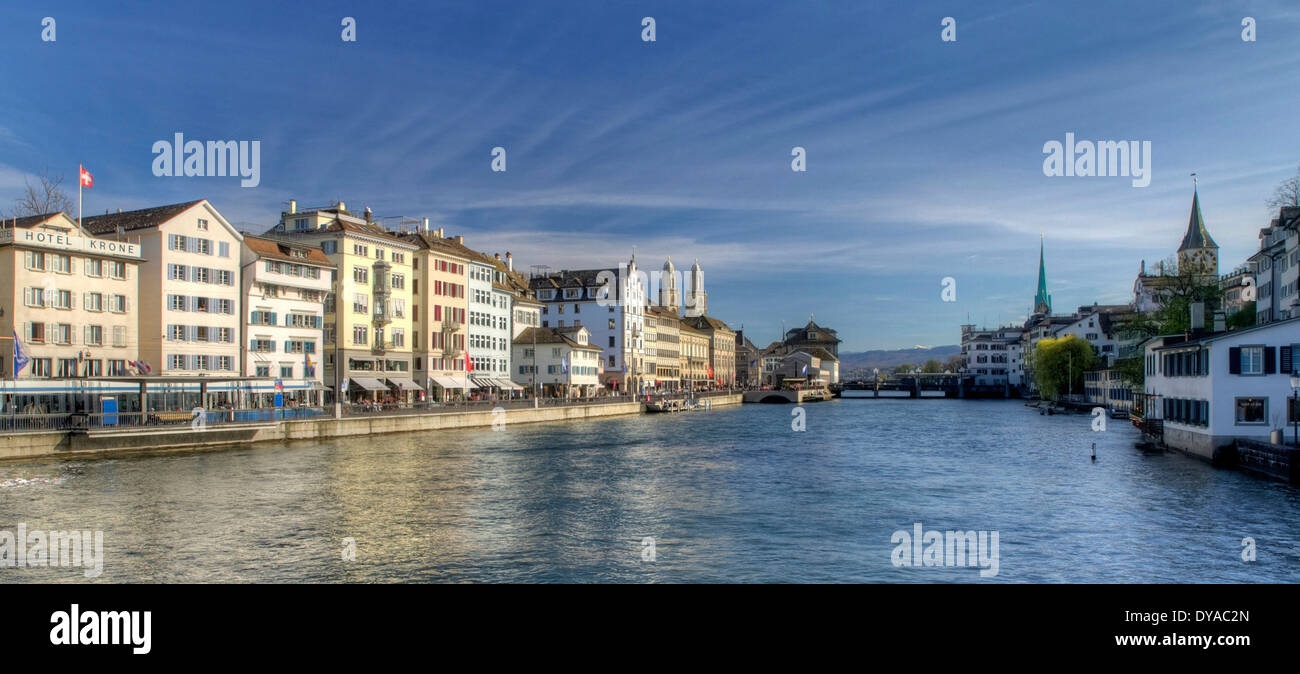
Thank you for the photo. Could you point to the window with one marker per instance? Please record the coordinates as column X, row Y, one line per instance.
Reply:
column 34, row 260
column 36, row 333
column 119, row 335
column 117, row 270
column 60, row 263
column 40, row 367
column 94, row 335
column 93, row 302
column 360, row 303
column 358, row 249
column 359, row 335
column 94, row 268
column 117, row 304
column 1252, row 360
column 67, row 367
column 203, row 225
column 360, row 275
column 1251, row 410
column 399, row 281
column 286, row 372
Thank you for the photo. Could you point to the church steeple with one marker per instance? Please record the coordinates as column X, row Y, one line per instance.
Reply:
column 1042, row 301
column 1198, row 250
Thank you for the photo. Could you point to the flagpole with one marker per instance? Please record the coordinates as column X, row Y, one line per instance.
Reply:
column 80, row 184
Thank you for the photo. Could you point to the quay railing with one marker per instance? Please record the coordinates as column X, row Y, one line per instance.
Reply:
column 78, row 421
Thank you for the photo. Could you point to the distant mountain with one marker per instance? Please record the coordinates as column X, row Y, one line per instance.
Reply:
column 889, row 359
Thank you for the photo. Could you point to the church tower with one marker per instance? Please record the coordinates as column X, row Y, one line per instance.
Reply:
column 669, row 294
column 1042, row 301
column 1198, row 254
column 697, row 301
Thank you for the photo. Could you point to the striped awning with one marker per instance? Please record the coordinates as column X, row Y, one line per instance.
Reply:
column 405, row 384
column 368, row 384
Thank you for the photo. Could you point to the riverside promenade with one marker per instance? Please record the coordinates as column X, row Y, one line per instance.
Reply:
column 89, row 437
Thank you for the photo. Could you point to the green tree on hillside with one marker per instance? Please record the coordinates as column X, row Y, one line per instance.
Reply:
column 932, row 366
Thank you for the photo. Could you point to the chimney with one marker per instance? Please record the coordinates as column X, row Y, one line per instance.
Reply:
column 440, row 233
column 368, row 215
column 497, row 255
column 425, row 228
column 1220, row 322
column 293, row 206
column 459, row 239
column 1198, row 316
column 343, row 208
column 510, row 261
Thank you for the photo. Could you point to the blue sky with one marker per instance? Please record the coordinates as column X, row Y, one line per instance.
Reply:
column 924, row 157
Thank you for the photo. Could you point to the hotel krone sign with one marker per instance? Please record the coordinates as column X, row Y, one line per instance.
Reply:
column 70, row 244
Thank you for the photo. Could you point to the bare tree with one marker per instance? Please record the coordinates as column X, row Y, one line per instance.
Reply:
column 45, row 197
column 1286, row 194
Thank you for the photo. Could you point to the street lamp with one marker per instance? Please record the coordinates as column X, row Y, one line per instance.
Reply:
column 1295, row 407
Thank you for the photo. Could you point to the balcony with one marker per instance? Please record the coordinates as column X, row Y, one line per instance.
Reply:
column 449, row 325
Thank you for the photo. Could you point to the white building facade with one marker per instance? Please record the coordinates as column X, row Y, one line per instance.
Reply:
column 1212, row 390
column 284, row 285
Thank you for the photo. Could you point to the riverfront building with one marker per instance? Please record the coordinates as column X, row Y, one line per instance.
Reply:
column 188, row 314
column 694, row 357
column 285, row 283
column 489, row 330
column 611, row 304
column 368, row 327
column 69, row 298
column 438, row 312
column 993, row 359
column 668, row 347
column 1277, row 268
column 560, row 361
column 721, row 369
column 1213, row 388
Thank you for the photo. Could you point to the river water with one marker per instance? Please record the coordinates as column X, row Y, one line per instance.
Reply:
column 732, row 494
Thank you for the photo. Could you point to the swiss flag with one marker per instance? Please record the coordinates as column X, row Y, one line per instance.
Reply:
column 469, row 365
column 87, row 180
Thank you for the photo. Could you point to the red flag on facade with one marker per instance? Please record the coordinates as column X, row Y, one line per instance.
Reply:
column 87, row 180
column 469, row 365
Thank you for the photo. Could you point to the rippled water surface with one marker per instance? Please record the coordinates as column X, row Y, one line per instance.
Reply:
column 728, row 495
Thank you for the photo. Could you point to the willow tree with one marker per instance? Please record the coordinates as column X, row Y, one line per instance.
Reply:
column 1059, row 364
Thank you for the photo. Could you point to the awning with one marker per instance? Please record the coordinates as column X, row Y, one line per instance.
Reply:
column 458, row 381
column 442, row 381
column 405, row 384
column 367, row 383
column 509, row 385
column 483, row 382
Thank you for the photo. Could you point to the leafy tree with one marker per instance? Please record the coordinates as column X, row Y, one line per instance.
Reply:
column 954, row 364
column 1059, row 364
column 932, row 366
column 903, row 369
column 1245, row 318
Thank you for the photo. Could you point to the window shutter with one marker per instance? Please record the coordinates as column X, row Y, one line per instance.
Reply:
column 1286, row 356
column 1270, row 360
column 1234, row 360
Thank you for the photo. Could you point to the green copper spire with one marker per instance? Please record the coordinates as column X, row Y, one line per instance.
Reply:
column 1042, row 301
